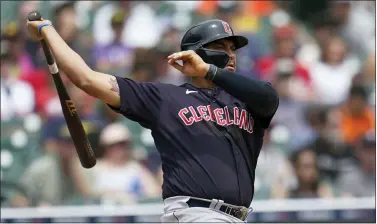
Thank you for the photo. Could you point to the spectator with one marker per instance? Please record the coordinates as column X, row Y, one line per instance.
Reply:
column 272, row 183
column 332, row 76
column 247, row 19
column 356, row 24
column 17, row 97
column 66, row 25
column 49, row 181
column 334, row 156
column 284, row 41
column 102, row 30
column 142, row 73
column 311, row 49
column 115, row 58
column 226, row 11
column 167, row 45
column 369, row 70
column 355, row 116
column 21, row 61
column 143, row 69
column 46, row 98
column 291, row 112
column 117, row 176
column 284, row 44
column 33, row 48
column 300, row 65
column 141, row 29
column 108, row 116
column 308, row 178
column 361, row 180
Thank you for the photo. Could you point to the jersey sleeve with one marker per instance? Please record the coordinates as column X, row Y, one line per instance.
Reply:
column 139, row 101
column 266, row 121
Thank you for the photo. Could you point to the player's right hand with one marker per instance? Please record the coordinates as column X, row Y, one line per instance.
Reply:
column 193, row 64
column 32, row 27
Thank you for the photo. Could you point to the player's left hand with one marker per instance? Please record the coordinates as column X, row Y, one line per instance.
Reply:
column 33, row 28
column 193, row 64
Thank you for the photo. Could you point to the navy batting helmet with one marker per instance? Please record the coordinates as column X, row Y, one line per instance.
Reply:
column 206, row 32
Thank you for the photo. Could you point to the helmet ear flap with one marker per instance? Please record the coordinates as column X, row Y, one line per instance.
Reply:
column 218, row 58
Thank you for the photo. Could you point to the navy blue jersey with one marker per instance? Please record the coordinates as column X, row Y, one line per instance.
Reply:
column 208, row 140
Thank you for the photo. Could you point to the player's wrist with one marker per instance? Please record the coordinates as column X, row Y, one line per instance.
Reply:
column 43, row 27
column 204, row 70
column 211, row 72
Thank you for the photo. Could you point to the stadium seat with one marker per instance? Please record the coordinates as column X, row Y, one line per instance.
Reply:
column 19, row 147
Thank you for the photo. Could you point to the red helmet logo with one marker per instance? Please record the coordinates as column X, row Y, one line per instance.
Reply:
column 227, row 28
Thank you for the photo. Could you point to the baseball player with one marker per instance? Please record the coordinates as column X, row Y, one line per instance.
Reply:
column 208, row 132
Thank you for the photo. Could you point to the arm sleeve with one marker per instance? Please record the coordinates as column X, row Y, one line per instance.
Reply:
column 139, row 101
column 260, row 97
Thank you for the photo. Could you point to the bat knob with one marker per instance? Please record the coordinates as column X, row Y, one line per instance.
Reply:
column 34, row 16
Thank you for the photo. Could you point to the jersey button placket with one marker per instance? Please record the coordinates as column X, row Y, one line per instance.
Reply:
column 239, row 171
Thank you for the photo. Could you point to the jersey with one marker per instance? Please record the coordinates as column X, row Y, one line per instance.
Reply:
column 208, row 140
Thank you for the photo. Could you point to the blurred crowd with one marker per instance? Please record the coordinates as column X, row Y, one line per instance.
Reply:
column 320, row 56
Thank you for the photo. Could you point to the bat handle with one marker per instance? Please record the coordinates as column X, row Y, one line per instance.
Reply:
column 36, row 16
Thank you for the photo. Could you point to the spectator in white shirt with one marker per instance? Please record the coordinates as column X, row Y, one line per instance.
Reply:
column 117, row 177
column 141, row 29
column 17, row 97
column 332, row 75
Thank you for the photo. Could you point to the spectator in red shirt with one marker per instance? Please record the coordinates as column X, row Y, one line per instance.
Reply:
column 284, row 43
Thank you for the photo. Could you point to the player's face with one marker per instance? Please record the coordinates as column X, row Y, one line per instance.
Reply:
column 229, row 48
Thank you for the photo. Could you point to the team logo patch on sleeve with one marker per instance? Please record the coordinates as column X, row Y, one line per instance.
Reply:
column 227, row 28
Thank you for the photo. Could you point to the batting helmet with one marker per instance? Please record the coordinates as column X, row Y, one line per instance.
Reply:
column 206, row 32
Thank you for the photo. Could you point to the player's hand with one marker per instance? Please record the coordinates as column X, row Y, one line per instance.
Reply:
column 32, row 27
column 193, row 64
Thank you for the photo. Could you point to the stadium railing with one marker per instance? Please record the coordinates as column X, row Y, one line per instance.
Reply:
column 312, row 210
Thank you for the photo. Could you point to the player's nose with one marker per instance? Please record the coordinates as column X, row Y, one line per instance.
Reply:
column 232, row 58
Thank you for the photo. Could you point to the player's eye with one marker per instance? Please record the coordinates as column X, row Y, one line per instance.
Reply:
column 220, row 47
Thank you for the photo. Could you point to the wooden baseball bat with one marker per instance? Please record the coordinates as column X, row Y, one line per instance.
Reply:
column 72, row 118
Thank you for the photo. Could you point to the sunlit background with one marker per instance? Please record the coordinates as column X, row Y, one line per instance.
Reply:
column 319, row 153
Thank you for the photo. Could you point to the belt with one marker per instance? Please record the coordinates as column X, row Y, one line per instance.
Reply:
column 238, row 212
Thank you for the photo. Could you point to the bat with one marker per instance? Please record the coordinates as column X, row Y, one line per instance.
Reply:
column 83, row 148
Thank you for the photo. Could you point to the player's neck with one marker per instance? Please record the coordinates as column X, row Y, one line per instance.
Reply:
column 202, row 83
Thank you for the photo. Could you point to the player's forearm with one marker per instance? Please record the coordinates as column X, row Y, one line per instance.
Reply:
column 69, row 61
column 260, row 96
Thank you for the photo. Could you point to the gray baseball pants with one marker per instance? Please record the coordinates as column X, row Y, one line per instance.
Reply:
column 176, row 210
